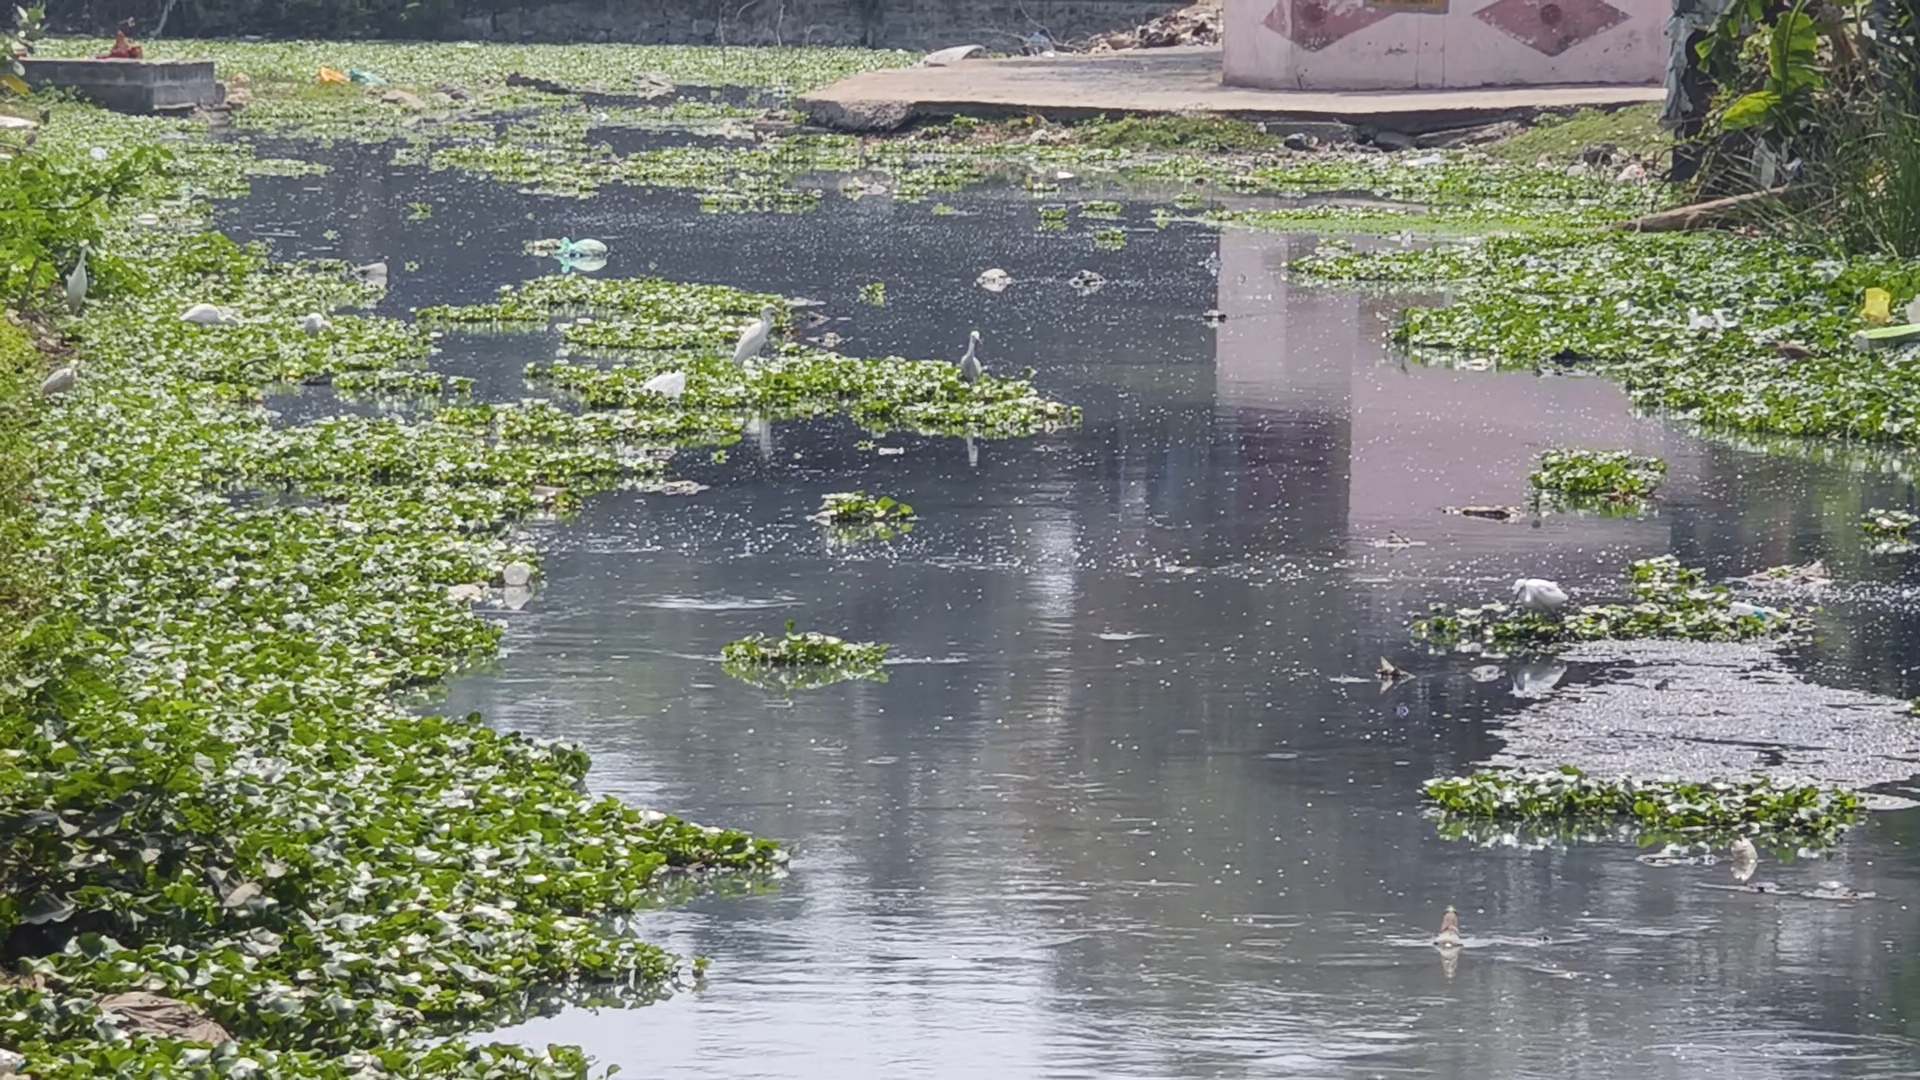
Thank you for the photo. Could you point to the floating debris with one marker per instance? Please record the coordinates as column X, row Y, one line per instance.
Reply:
column 994, row 280
column 1486, row 673
column 1490, row 513
column 1086, row 282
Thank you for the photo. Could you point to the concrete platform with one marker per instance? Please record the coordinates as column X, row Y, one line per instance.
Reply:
column 131, row 86
column 1170, row 81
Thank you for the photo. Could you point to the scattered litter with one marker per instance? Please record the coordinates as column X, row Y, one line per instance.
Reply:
column 1196, row 24
column 1086, row 282
column 1877, row 307
column 676, row 487
column 1395, row 541
column 953, row 55
column 1425, row 161
column 471, row 592
column 857, row 188
column 152, row 1014
column 337, row 78
column 1299, row 142
column 314, row 324
column 994, row 280
column 365, row 78
column 1486, row 673
column 1449, row 935
column 373, row 273
column 1746, row 858
column 1213, row 316
column 580, row 249
column 1389, row 674
column 516, row 574
column 547, row 494
column 650, row 86
column 891, row 451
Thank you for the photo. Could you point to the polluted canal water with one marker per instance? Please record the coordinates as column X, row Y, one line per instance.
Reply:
column 1130, row 800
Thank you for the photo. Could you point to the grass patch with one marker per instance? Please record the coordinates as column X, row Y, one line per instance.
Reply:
column 1757, row 805
column 1635, row 130
column 1670, row 602
column 1179, row 131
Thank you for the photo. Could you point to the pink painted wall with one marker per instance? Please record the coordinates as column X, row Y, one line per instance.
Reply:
column 1379, row 45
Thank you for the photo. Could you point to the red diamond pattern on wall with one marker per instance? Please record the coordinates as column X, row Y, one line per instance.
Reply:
column 1551, row 26
column 1315, row 24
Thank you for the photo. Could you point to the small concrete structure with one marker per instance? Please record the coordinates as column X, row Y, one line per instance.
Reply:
column 131, row 86
column 1442, row 44
column 1183, row 79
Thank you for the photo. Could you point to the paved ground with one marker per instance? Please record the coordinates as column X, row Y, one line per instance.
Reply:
column 1168, row 80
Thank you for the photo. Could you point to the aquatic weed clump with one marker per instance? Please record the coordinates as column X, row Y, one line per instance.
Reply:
column 853, row 516
column 212, row 792
column 1605, row 478
column 1808, row 810
column 802, row 661
column 1734, row 333
column 1671, row 602
column 1888, row 524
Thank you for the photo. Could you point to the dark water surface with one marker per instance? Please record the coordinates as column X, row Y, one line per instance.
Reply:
column 1130, row 803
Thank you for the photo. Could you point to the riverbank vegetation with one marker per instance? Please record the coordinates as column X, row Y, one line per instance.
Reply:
column 217, row 793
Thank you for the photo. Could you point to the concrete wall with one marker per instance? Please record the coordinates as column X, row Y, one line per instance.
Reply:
column 908, row 24
column 911, row 24
column 130, row 86
column 1407, row 44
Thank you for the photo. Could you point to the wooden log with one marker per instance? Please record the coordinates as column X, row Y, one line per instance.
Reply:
column 1701, row 215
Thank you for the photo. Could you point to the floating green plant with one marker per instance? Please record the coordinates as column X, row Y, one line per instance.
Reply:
column 1670, row 602
column 802, row 661
column 874, row 294
column 1607, row 478
column 857, row 508
column 1888, row 524
column 1752, row 805
column 855, row 515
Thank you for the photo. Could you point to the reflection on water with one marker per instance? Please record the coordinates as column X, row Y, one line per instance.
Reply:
column 1131, row 802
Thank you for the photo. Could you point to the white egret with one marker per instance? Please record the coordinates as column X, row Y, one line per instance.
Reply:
column 754, row 338
column 59, row 382
column 209, row 315
column 78, row 281
column 1746, row 859
column 1538, row 595
column 314, row 324
column 970, row 370
column 670, row 385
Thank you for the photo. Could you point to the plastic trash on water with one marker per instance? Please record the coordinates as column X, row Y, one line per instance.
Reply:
column 581, row 249
column 328, row 75
column 586, row 264
column 365, row 78
column 1878, row 307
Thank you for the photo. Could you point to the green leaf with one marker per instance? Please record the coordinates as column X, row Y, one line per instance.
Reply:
column 1749, row 111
